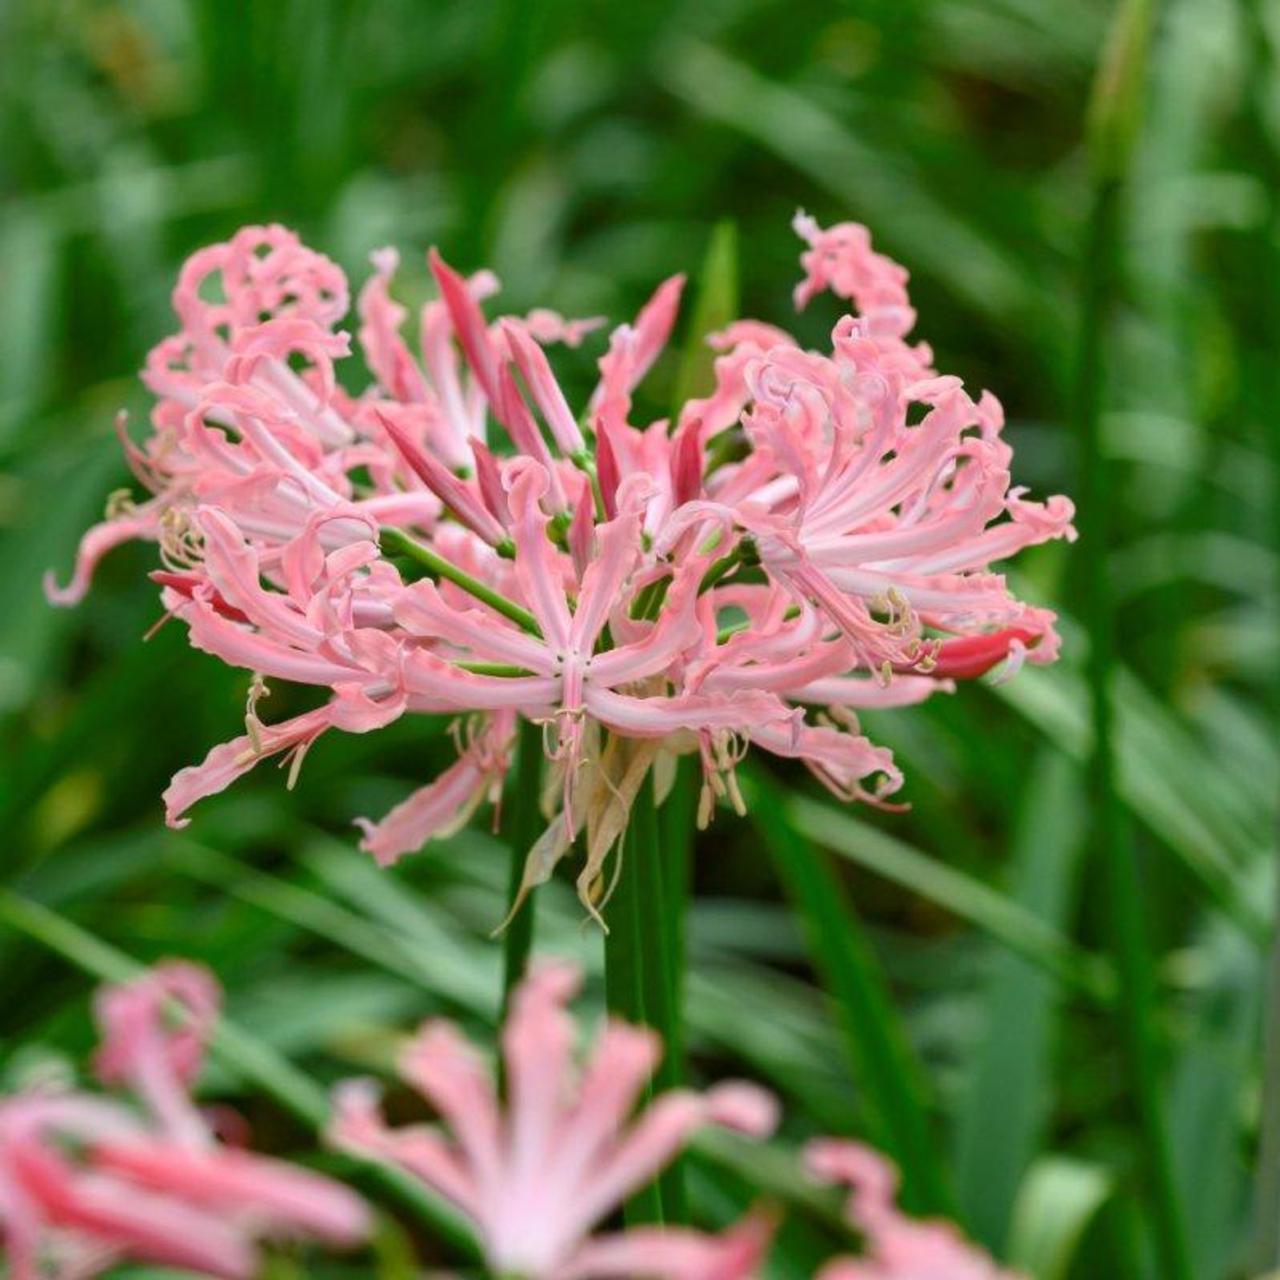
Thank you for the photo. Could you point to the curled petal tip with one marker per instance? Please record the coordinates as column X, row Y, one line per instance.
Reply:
column 64, row 597
column 743, row 1107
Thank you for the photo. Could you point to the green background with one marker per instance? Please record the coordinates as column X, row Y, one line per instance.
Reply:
column 584, row 151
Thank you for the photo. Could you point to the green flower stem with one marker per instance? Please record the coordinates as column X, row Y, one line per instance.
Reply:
column 677, row 819
column 504, row 669
column 1113, row 127
column 522, row 826
column 253, row 1060
column 640, row 983
column 657, row 971
column 395, row 542
column 742, row 555
column 587, row 465
column 730, row 630
column 624, row 984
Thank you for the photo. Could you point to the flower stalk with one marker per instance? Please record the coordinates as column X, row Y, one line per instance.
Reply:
column 522, row 825
column 624, row 983
column 395, row 542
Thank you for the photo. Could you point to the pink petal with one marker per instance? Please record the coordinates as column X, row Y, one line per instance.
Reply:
column 445, row 1069
column 537, row 1041
column 423, row 611
column 536, row 567
column 384, row 349
column 276, row 1198
column 231, row 760
column 653, row 326
column 454, row 493
column 535, row 369
column 141, row 1049
column 618, row 550
column 468, row 324
column 357, row 1127
column 140, row 1224
column 141, row 522
column 440, row 808
column 674, row 1253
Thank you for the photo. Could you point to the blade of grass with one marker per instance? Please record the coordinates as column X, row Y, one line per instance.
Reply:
column 716, row 305
column 1216, row 1065
column 1009, row 1093
column 859, row 176
column 1162, row 774
column 1008, row 921
column 884, row 1065
column 386, row 948
column 1058, row 1201
column 251, row 1059
column 1113, row 126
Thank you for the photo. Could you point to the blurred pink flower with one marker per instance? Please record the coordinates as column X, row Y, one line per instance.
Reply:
column 535, row 1175
column 87, row 1182
column 896, row 1247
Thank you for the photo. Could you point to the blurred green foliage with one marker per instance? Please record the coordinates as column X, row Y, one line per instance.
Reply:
column 585, row 150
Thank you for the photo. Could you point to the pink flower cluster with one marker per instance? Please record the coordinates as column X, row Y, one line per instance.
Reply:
column 88, row 1181
column 536, row 1177
column 813, row 537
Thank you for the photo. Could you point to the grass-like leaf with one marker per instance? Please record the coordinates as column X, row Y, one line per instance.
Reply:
column 961, row 895
column 1008, row 1097
column 1058, row 1201
column 885, row 1068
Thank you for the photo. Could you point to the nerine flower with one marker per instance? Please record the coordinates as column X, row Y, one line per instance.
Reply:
column 896, row 1247
column 537, row 1174
column 814, row 536
column 87, row 1181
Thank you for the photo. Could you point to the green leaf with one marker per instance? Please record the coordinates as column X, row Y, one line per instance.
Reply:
column 1163, row 776
column 432, row 958
column 890, row 1078
column 1009, row 1094
column 716, row 306
column 1215, row 1067
column 1059, row 1199
column 1005, row 919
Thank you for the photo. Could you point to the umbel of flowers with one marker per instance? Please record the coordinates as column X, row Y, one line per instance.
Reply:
column 813, row 537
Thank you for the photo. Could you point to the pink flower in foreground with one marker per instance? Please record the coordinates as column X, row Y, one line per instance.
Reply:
column 87, row 1182
column 896, row 1247
column 535, row 1175
column 815, row 536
